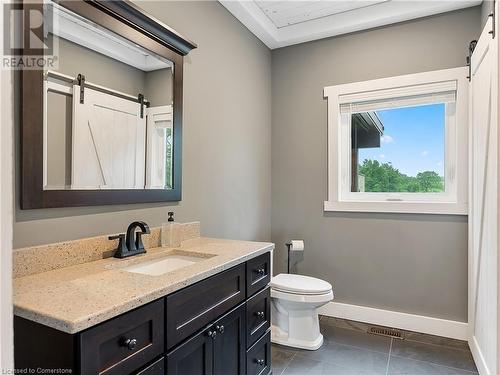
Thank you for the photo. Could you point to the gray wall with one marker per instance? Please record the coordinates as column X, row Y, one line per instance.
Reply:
column 158, row 87
column 409, row 263
column 226, row 144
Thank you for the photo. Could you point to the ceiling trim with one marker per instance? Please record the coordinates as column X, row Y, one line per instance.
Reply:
column 384, row 13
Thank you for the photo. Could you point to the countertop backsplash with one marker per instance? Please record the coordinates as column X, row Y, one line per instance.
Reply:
column 36, row 259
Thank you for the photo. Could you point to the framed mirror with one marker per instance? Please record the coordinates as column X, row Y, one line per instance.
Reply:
column 102, row 122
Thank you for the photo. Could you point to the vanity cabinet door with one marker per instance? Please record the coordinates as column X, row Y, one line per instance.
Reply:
column 194, row 357
column 230, row 343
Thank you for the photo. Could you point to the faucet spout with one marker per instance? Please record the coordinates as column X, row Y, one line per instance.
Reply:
column 135, row 245
column 128, row 246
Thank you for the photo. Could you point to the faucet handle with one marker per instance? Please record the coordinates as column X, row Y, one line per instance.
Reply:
column 122, row 249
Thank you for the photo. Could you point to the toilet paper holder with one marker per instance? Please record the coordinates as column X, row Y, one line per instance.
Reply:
column 289, row 246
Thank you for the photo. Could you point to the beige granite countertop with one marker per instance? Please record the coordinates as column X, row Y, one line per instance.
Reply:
column 77, row 297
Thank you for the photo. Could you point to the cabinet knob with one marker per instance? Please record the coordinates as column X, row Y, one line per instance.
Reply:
column 212, row 334
column 220, row 329
column 261, row 271
column 260, row 314
column 260, row 362
column 130, row 344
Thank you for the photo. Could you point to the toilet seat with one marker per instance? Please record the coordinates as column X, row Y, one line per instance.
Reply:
column 299, row 284
column 307, row 298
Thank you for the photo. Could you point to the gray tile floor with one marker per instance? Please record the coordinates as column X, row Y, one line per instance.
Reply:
column 349, row 350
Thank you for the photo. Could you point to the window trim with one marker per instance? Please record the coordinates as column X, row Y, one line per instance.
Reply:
column 455, row 202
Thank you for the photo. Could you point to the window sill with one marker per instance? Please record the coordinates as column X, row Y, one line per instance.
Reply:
column 435, row 208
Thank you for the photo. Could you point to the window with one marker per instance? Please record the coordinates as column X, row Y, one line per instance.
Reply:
column 399, row 144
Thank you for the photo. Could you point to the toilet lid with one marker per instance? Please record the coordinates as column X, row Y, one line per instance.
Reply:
column 300, row 284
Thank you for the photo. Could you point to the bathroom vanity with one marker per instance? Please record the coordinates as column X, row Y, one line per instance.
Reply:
column 208, row 317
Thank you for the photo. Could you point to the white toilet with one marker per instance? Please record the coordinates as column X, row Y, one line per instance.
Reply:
column 295, row 300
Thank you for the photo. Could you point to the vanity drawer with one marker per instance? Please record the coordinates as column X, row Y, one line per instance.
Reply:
column 109, row 348
column 259, row 356
column 258, row 273
column 195, row 306
column 258, row 315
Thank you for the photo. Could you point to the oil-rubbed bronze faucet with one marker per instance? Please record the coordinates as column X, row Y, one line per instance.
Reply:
column 131, row 246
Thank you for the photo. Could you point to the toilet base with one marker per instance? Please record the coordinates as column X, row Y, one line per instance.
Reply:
column 294, row 319
column 282, row 338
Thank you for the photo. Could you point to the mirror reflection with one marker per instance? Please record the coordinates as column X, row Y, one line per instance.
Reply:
column 108, row 120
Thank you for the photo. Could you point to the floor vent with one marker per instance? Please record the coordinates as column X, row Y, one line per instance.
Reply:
column 386, row 332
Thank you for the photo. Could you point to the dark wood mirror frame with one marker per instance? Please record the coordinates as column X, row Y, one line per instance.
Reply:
column 129, row 21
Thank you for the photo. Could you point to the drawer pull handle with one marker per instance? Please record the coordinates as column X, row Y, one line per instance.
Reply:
column 260, row 314
column 261, row 271
column 220, row 329
column 260, row 362
column 130, row 344
column 212, row 334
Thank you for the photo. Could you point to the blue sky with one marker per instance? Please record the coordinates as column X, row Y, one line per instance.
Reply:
column 413, row 139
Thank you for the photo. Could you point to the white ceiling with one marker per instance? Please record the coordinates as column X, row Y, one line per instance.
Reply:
column 283, row 23
column 286, row 13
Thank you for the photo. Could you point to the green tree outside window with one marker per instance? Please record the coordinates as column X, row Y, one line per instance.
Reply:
column 383, row 177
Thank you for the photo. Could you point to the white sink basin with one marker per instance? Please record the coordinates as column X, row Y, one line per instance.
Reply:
column 168, row 263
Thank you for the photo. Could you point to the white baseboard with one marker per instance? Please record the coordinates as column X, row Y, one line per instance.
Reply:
column 417, row 323
column 481, row 365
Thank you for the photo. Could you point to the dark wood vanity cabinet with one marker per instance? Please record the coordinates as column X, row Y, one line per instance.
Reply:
column 195, row 356
column 258, row 315
column 259, row 356
column 122, row 345
column 155, row 368
column 219, row 349
column 218, row 326
column 258, row 273
column 125, row 343
column 230, row 343
column 195, row 306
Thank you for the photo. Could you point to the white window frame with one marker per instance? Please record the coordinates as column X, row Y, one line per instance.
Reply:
column 454, row 199
column 154, row 115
